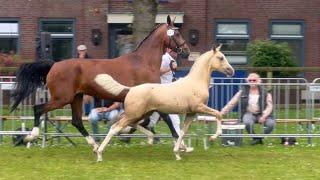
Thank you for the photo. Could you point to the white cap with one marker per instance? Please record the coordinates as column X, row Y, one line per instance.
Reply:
column 81, row 47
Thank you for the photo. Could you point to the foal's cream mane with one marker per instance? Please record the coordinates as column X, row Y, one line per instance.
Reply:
column 204, row 58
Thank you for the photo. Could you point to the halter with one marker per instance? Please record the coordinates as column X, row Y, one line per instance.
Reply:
column 178, row 48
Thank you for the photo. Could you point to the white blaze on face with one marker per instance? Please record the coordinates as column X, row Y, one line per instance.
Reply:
column 109, row 84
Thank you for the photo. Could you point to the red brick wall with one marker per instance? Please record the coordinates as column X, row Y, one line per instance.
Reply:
column 88, row 15
column 199, row 14
column 260, row 12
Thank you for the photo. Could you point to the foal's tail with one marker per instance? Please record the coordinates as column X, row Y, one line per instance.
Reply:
column 29, row 77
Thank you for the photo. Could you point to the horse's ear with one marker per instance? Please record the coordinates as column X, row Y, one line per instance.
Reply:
column 216, row 47
column 169, row 20
column 219, row 47
column 174, row 20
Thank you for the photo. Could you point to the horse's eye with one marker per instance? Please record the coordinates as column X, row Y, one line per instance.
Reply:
column 221, row 58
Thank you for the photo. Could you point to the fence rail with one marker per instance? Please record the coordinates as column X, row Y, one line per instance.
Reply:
column 295, row 101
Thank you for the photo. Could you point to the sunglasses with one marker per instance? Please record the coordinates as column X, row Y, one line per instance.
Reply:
column 252, row 80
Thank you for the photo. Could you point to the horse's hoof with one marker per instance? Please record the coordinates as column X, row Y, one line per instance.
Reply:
column 29, row 138
column 150, row 142
column 186, row 149
column 99, row 156
column 178, row 158
column 212, row 138
column 35, row 132
column 95, row 148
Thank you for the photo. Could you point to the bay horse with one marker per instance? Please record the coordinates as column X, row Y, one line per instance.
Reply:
column 188, row 95
column 68, row 80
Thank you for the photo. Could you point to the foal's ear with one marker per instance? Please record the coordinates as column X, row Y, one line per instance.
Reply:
column 169, row 22
column 216, row 47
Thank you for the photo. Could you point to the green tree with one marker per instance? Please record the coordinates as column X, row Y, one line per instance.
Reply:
column 266, row 53
column 144, row 12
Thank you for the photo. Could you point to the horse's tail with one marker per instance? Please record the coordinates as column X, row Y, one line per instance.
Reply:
column 111, row 86
column 29, row 77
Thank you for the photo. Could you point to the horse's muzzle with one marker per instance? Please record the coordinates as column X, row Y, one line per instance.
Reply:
column 229, row 72
column 184, row 53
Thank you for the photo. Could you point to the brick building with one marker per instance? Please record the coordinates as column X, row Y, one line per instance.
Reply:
column 231, row 22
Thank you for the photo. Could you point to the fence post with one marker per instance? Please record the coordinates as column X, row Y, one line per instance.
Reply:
column 269, row 76
column 1, row 113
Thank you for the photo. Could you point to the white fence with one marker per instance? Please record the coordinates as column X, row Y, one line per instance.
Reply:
column 295, row 101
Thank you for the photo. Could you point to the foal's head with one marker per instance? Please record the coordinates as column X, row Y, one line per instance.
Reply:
column 174, row 40
column 220, row 63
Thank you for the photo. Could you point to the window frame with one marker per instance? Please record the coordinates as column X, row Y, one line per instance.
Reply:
column 62, row 35
column 300, row 37
column 239, row 36
column 17, row 20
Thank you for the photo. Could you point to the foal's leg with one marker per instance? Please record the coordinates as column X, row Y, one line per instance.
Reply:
column 184, row 130
column 202, row 108
column 149, row 134
column 39, row 110
column 115, row 129
column 76, row 106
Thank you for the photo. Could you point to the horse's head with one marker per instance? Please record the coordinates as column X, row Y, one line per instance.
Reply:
column 220, row 63
column 174, row 39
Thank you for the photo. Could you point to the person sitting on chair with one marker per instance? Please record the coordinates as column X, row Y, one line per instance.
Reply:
column 108, row 113
column 256, row 106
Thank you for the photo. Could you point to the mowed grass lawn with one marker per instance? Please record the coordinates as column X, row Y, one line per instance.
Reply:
column 139, row 161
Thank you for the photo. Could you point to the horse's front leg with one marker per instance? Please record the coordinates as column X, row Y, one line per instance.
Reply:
column 76, row 106
column 202, row 108
column 183, row 131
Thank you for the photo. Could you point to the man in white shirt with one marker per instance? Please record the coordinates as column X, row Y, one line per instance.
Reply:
column 166, row 73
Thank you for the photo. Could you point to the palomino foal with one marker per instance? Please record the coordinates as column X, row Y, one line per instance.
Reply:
column 187, row 95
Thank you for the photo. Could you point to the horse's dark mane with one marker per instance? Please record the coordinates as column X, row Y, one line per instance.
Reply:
column 154, row 28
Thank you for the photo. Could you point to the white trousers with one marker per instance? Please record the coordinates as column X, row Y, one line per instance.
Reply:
column 174, row 118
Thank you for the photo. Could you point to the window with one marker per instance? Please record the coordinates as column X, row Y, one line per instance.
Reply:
column 120, row 40
column 62, row 35
column 234, row 37
column 9, row 36
column 292, row 33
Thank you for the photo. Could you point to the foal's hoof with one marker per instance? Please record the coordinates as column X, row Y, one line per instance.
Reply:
column 99, row 156
column 212, row 138
column 150, row 142
column 178, row 157
column 95, row 148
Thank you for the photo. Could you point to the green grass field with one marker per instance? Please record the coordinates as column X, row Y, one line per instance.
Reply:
column 139, row 161
column 142, row 162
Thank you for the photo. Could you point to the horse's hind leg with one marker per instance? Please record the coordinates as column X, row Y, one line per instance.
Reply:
column 76, row 106
column 39, row 110
column 184, row 130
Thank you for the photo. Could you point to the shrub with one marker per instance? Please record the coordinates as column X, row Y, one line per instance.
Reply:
column 271, row 54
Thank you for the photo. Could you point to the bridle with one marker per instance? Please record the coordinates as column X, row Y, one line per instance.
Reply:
column 178, row 48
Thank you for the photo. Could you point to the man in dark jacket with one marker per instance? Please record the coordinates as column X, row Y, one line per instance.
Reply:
column 255, row 106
